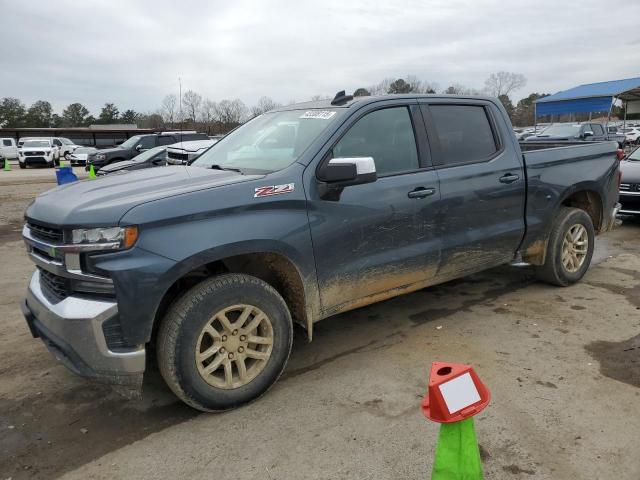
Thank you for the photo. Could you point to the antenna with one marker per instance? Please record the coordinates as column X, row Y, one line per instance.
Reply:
column 341, row 97
column 181, row 114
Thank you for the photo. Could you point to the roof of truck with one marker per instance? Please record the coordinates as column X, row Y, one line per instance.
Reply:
column 359, row 101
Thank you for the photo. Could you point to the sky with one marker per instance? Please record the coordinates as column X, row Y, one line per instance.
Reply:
column 132, row 53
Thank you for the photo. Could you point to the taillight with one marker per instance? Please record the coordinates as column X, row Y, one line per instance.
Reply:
column 619, row 154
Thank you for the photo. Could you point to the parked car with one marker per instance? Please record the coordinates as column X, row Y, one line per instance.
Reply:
column 373, row 197
column 8, row 148
column 154, row 157
column 38, row 151
column 632, row 134
column 576, row 132
column 65, row 146
column 185, row 152
column 630, row 184
column 80, row 154
column 138, row 144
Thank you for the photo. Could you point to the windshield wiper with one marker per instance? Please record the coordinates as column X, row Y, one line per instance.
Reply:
column 220, row 167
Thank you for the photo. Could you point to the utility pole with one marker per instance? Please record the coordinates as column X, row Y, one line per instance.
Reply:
column 180, row 92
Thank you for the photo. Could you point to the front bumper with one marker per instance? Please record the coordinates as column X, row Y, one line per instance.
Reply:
column 72, row 329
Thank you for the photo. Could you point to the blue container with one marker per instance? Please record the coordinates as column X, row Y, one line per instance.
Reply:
column 65, row 175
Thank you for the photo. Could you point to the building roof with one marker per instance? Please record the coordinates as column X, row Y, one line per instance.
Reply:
column 591, row 97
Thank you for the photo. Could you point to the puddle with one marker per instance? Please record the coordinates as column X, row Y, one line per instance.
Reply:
column 618, row 360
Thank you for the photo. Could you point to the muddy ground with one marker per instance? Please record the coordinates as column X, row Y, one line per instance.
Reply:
column 563, row 365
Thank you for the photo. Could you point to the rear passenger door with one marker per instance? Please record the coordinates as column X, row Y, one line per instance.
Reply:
column 367, row 240
column 482, row 185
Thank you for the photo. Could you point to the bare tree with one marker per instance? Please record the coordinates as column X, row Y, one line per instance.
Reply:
column 382, row 87
column 503, row 83
column 208, row 113
column 192, row 102
column 231, row 113
column 264, row 105
column 317, row 98
column 168, row 109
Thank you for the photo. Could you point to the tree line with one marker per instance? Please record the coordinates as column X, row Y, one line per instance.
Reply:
column 193, row 111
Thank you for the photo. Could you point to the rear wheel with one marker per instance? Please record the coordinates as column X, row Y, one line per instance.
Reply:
column 570, row 248
column 225, row 342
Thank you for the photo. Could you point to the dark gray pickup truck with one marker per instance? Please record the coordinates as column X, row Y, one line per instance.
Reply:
column 300, row 214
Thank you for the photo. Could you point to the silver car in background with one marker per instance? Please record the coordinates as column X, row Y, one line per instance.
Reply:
column 182, row 153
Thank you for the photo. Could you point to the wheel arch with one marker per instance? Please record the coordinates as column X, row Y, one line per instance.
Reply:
column 272, row 266
column 586, row 197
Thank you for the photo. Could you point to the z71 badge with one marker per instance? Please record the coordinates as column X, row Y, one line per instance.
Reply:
column 273, row 190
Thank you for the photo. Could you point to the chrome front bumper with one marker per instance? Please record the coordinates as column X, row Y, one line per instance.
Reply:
column 72, row 330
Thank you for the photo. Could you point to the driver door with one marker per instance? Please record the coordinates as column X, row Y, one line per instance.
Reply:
column 370, row 241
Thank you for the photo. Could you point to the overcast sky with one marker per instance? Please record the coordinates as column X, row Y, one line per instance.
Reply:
column 131, row 53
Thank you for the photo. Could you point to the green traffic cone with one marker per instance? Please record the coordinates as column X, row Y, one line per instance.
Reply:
column 7, row 167
column 457, row 453
column 92, row 172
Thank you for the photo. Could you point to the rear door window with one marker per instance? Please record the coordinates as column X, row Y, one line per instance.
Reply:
column 6, row 142
column 148, row 142
column 167, row 140
column 463, row 132
column 597, row 129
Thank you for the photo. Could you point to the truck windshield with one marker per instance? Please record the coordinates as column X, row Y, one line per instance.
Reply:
column 36, row 143
column 562, row 131
column 269, row 142
column 635, row 155
column 131, row 142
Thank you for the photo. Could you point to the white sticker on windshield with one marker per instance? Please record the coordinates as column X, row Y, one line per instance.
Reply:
column 321, row 114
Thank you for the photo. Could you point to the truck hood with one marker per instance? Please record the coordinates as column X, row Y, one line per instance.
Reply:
column 630, row 171
column 114, row 167
column 35, row 149
column 104, row 201
column 192, row 145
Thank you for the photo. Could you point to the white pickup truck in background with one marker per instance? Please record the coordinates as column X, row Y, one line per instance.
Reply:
column 8, row 148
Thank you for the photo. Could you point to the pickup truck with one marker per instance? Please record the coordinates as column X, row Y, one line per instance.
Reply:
column 352, row 201
column 578, row 132
column 136, row 145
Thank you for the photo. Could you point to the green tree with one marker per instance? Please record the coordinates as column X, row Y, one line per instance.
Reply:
column 109, row 114
column 361, row 92
column 129, row 116
column 39, row 114
column 507, row 104
column 400, row 86
column 76, row 115
column 56, row 121
column 12, row 113
column 524, row 114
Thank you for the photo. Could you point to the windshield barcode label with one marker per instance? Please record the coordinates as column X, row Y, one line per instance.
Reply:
column 321, row 114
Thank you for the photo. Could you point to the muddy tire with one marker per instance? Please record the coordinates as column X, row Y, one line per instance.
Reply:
column 224, row 342
column 570, row 248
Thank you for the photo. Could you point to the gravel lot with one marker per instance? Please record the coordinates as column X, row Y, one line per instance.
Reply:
column 563, row 366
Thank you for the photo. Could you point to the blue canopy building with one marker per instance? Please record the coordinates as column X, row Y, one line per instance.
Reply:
column 592, row 97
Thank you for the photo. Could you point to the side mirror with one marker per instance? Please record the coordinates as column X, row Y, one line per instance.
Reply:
column 343, row 172
column 586, row 134
column 138, row 147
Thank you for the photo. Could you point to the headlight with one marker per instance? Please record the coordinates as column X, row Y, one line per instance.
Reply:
column 100, row 156
column 123, row 237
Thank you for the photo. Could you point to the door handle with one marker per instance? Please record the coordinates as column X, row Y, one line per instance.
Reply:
column 421, row 192
column 509, row 178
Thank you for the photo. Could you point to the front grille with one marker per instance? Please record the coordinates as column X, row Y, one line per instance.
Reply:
column 630, row 187
column 178, row 156
column 113, row 334
column 33, row 154
column 54, row 287
column 46, row 233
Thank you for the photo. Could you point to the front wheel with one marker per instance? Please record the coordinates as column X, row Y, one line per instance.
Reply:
column 570, row 248
column 224, row 342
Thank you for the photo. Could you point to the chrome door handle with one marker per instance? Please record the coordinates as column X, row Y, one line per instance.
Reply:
column 421, row 192
column 509, row 178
